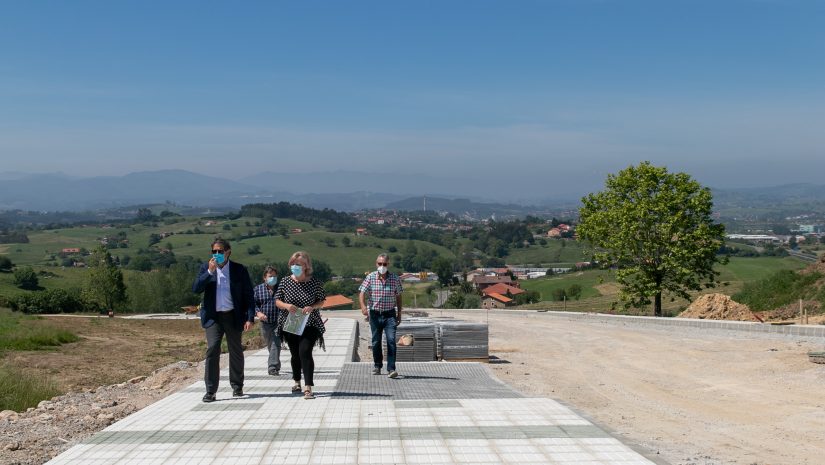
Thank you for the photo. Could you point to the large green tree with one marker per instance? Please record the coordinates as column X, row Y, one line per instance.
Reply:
column 443, row 267
column 656, row 229
column 104, row 283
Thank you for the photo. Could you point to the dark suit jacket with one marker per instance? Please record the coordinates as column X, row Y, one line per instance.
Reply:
column 240, row 286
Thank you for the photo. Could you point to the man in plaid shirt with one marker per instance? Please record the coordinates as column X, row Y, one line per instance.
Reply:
column 381, row 299
column 267, row 314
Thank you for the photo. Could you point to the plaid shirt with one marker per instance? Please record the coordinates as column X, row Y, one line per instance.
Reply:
column 381, row 294
column 265, row 303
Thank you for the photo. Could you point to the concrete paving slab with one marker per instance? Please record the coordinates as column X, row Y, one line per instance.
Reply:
column 435, row 413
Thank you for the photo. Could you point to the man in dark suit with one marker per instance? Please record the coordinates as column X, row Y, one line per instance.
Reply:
column 228, row 308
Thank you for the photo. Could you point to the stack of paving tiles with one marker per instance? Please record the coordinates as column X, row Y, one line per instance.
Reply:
column 439, row 344
column 424, row 336
column 463, row 340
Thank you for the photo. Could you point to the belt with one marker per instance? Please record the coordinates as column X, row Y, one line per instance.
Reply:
column 381, row 312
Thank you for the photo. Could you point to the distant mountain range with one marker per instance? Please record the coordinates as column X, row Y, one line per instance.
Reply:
column 341, row 190
column 58, row 192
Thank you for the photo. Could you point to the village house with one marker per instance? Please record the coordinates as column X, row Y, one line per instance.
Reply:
column 361, row 232
column 482, row 282
column 494, row 300
column 503, row 289
column 71, row 250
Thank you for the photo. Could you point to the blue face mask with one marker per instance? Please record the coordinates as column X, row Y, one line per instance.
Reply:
column 219, row 257
column 297, row 270
column 272, row 280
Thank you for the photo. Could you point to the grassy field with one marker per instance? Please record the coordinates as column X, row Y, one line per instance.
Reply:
column 43, row 247
column 599, row 288
column 556, row 252
column 104, row 351
column 588, row 280
column 20, row 389
column 56, row 278
column 25, row 332
column 743, row 269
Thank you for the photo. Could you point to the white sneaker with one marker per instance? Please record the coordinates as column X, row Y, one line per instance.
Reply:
column 393, row 374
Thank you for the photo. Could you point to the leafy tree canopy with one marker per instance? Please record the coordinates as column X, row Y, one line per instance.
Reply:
column 656, row 229
column 104, row 283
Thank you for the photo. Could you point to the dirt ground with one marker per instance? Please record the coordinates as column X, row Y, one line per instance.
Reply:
column 112, row 350
column 693, row 396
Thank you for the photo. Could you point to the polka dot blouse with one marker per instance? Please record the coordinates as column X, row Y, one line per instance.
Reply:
column 301, row 294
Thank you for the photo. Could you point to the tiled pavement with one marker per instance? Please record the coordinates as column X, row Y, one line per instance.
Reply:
column 436, row 413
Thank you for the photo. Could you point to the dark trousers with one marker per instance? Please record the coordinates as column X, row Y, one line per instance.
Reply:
column 383, row 323
column 300, row 350
column 224, row 324
column 269, row 331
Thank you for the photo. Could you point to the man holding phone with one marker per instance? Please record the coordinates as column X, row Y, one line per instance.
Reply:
column 228, row 309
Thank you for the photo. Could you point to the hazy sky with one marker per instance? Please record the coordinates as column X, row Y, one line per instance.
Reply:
column 512, row 93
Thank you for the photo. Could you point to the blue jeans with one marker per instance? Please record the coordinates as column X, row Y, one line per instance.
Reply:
column 379, row 323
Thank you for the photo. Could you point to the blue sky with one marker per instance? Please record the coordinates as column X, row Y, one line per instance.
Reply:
column 547, row 94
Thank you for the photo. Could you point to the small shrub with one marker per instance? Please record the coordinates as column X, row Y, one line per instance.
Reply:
column 26, row 278
column 51, row 301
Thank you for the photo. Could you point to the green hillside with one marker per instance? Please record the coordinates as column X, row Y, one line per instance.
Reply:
column 44, row 246
column 599, row 287
column 558, row 252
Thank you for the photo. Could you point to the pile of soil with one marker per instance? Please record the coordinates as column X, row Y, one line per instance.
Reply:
column 718, row 307
column 39, row 434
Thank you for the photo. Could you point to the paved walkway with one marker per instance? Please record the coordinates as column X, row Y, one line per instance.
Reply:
column 436, row 413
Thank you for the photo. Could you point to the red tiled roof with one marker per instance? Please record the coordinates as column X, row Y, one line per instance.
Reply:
column 502, row 289
column 499, row 297
column 336, row 300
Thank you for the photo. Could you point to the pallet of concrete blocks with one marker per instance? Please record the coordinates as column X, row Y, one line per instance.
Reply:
column 415, row 341
column 463, row 340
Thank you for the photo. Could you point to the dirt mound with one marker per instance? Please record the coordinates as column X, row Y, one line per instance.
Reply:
column 718, row 307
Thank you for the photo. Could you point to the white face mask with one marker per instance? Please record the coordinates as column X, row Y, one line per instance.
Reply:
column 382, row 269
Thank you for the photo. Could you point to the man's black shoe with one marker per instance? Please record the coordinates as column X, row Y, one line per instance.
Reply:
column 209, row 397
column 237, row 392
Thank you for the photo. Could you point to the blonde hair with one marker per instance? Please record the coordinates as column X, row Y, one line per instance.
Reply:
column 301, row 255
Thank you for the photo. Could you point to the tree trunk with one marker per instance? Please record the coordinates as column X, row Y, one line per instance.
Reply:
column 657, row 305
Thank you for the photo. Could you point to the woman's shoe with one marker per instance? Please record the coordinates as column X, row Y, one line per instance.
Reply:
column 308, row 395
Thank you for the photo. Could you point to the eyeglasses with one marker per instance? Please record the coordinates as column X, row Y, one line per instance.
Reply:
column 381, row 264
column 217, row 251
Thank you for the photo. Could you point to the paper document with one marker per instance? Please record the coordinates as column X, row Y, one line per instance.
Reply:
column 296, row 322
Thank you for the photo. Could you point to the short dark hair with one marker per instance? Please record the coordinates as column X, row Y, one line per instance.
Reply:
column 270, row 269
column 222, row 242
